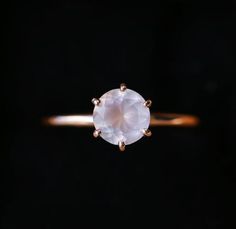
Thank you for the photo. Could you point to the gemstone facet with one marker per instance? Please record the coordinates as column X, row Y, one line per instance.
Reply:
column 121, row 116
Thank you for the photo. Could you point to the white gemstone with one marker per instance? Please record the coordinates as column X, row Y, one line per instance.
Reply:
column 121, row 116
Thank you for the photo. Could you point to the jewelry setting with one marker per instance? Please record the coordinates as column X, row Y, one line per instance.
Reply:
column 121, row 116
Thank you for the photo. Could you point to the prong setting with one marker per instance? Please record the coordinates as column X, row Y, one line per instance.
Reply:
column 148, row 103
column 95, row 101
column 117, row 109
column 147, row 132
column 96, row 133
column 123, row 87
column 121, row 146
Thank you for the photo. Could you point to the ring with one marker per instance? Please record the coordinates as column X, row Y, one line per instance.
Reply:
column 121, row 117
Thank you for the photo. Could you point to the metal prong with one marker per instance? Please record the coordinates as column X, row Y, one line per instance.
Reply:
column 148, row 103
column 147, row 132
column 123, row 87
column 121, row 146
column 96, row 133
column 95, row 101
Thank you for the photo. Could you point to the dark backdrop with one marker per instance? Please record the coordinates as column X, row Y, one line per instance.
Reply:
column 178, row 53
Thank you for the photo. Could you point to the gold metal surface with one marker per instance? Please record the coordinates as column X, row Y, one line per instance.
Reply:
column 157, row 119
column 121, row 146
column 147, row 132
column 95, row 101
column 96, row 133
column 123, row 87
column 148, row 103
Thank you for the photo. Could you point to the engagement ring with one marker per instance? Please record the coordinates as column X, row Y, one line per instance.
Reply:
column 121, row 117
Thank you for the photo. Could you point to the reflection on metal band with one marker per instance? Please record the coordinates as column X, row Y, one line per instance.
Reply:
column 157, row 119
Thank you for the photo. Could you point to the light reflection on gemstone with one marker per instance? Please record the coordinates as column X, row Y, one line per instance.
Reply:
column 121, row 116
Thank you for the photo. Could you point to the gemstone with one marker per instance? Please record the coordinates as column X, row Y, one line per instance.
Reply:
column 121, row 116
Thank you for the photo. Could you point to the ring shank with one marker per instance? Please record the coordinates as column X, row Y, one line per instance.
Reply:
column 157, row 119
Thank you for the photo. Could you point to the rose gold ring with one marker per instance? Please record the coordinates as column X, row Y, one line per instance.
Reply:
column 121, row 117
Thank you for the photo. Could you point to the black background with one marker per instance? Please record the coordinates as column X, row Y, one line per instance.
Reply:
column 181, row 54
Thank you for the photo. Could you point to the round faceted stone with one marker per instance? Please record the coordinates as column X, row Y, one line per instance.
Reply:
column 121, row 116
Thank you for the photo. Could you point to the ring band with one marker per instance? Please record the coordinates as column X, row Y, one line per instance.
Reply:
column 157, row 119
